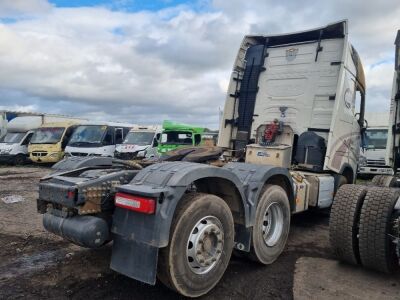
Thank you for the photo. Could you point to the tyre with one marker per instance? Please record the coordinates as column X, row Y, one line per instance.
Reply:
column 272, row 223
column 344, row 222
column 19, row 160
column 377, row 180
column 200, row 245
column 377, row 250
column 384, row 181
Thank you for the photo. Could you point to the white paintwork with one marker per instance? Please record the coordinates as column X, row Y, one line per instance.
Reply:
column 147, row 151
column 372, row 161
column 304, row 86
column 393, row 142
column 25, row 124
column 325, row 191
column 98, row 151
column 15, row 148
column 104, row 150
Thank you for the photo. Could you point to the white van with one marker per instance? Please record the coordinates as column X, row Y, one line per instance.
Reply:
column 97, row 139
column 141, row 142
column 6, row 116
column 14, row 145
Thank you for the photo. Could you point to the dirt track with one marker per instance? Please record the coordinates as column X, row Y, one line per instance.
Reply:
column 35, row 264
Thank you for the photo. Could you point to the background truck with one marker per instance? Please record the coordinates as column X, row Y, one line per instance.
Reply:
column 141, row 142
column 97, row 139
column 372, row 159
column 365, row 220
column 178, row 135
column 290, row 133
column 14, row 145
column 6, row 116
column 48, row 143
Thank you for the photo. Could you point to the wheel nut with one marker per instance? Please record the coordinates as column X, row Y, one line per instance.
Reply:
column 201, row 261
column 213, row 259
column 198, row 252
column 218, row 232
column 218, row 251
column 200, row 241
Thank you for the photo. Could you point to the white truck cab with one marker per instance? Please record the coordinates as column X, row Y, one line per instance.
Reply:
column 311, row 83
column 140, row 142
column 372, row 157
column 97, row 139
column 14, row 145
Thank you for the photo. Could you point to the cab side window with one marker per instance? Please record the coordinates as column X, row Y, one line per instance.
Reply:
column 197, row 139
column 119, row 138
column 27, row 139
column 108, row 139
column 67, row 136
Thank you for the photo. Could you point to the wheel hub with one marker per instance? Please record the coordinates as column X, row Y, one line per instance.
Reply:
column 272, row 227
column 205, row 245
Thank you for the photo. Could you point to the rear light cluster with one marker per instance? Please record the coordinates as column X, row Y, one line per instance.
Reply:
column 135, row 203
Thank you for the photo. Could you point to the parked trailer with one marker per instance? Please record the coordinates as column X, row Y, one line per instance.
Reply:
column 289, row 136
column 365, row 220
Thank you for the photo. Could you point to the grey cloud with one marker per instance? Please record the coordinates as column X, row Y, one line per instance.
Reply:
column 144, row 67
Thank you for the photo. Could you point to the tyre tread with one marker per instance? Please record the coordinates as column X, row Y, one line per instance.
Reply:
column 343, row 223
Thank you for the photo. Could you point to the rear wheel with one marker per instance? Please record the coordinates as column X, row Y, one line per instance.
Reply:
column 377, row 247
column 344, row 222
column 200, row 245
column 272, row 223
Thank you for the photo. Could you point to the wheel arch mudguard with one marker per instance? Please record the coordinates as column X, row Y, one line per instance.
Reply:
column 166, row 183
column 254, row 177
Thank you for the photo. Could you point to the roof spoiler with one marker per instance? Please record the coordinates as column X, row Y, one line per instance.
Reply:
column 331, row 31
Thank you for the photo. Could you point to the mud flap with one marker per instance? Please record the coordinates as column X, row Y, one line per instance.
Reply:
column 135, row 260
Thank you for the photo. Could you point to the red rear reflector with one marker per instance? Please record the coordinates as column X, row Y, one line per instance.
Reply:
column 71, row 194
column 135, row 203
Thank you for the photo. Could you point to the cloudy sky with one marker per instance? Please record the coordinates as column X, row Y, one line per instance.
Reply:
column 143, row 61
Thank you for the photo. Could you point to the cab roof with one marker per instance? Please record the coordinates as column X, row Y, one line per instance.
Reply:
column 175, row 126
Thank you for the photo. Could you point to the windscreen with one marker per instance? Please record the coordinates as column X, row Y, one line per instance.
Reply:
column 12, row 137
column 87, row 134
column 139, row 138
column 376, row 138
column 47, row 135
column 176, row 138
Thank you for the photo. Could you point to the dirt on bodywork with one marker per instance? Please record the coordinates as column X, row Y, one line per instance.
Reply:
column 35, row 264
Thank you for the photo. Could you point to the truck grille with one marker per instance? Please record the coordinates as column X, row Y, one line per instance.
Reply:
column 39, row 153
column 376, row 162
column 79, row 154
column 125, row 156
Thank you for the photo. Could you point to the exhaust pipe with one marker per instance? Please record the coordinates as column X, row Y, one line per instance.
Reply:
column 85, row 231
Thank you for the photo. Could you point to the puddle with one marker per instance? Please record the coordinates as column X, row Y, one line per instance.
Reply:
column 12, row 199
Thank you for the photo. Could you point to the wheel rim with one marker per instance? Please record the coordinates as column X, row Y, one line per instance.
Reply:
column 272, row 226
column 205, row 245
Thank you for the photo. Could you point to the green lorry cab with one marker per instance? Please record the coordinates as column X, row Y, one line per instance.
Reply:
column 177, row 135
